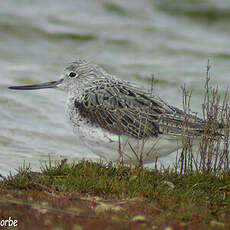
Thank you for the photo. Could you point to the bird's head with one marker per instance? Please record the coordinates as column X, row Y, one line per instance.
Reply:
column 76, row 75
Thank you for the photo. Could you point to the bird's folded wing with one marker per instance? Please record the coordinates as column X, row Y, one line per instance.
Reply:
column 121, row 110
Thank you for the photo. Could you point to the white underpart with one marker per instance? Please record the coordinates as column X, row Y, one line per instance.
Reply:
column 112, row 147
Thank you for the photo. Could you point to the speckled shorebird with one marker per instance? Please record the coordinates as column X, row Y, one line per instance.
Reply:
column 117, row 119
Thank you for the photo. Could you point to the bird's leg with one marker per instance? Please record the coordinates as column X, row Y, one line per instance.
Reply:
column 121, row 158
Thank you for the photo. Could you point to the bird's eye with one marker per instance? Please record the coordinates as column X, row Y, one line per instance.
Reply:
column 72, row 74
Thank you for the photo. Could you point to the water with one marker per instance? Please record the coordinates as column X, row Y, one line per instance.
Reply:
column 132, row 40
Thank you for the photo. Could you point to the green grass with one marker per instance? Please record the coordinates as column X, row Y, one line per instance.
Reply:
column 88, row 194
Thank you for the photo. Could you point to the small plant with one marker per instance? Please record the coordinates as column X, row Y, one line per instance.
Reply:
column 213, row 153
column 213, row 140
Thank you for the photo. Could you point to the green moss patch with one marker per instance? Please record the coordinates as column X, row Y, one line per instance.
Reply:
column 89, row 195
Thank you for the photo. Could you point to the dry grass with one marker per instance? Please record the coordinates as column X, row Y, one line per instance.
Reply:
column 213, row 153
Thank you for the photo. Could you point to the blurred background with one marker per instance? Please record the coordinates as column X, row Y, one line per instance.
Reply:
column 130, row 39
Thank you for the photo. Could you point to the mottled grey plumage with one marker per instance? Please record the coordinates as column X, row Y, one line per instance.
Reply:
column 121, row 108
column 112, row 116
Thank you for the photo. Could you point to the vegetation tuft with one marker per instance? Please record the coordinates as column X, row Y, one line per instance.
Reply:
column 213, row 154
column 95, row 195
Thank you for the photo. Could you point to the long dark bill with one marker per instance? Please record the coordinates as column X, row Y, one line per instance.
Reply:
column 51, row 84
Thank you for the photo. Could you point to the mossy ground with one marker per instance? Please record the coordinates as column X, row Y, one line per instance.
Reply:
column 89, row 195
